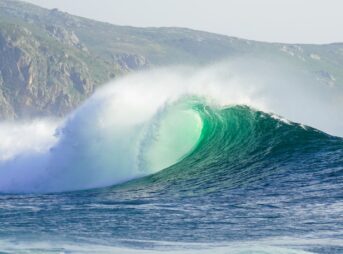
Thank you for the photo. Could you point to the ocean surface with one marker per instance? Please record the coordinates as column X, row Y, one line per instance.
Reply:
column 195, row 178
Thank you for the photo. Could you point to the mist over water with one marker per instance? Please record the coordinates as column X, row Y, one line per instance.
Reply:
column 214, row 159
column 101, row 142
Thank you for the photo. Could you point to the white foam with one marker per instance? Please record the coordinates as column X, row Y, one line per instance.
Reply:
column 23, row 137
column 99, row 143
column 201, row 248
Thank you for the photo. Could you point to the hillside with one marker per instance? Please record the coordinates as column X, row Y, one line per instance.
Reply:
column 50, row 61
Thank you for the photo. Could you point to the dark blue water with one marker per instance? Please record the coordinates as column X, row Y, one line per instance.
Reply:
column 254, row 184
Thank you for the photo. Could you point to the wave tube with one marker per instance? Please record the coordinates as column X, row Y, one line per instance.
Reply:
column 149, row 121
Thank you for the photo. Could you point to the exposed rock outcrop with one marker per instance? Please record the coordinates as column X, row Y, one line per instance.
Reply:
column 51, row 61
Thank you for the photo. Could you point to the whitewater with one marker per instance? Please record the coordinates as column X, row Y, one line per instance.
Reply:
column 239, row 157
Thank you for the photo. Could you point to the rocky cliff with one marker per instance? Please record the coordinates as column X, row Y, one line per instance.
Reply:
column 51, row 61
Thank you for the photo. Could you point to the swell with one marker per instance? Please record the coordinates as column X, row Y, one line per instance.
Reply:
column 155, row 121
column 194, row 146
column 244, row 147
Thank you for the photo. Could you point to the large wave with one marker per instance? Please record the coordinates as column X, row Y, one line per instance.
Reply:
column 149, row 121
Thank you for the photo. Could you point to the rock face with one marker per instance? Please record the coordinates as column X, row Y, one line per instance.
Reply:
column 45, row 68
column 51, row 61
column 37, row 80
column 64, row 36
column 130, row 61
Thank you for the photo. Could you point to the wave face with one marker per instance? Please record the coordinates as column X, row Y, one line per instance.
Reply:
column 147, row 122
column 188, row 159
column 245, row 182
column 240, row 146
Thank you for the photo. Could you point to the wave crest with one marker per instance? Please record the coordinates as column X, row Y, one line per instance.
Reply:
column 140, row 125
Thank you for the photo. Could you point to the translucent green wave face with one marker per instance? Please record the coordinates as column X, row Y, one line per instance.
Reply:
column 176, row 132
column 233, row 146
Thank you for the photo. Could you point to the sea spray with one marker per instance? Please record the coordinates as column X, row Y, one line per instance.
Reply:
column 101, row 142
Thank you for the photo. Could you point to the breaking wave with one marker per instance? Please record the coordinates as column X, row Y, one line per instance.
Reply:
column 182, row 120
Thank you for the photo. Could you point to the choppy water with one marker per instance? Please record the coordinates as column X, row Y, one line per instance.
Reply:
column 251, row 184
column 165, row 162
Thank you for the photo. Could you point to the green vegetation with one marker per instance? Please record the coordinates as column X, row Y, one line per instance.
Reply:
column 51, row 61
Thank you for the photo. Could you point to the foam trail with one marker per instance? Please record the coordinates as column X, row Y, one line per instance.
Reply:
column 101, row 142
column 88, row 248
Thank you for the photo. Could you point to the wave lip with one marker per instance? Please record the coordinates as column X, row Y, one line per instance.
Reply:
column 153, row 121
column 94, row 151
column 244, row 147
column 188, row 138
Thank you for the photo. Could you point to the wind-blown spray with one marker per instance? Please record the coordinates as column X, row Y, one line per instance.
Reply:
column 145, row 122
